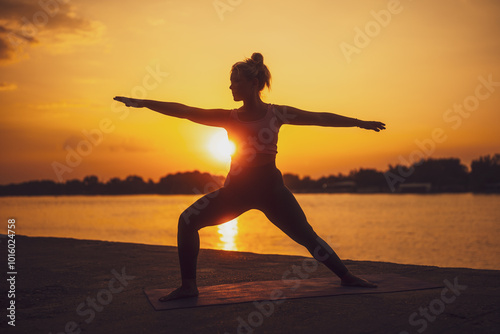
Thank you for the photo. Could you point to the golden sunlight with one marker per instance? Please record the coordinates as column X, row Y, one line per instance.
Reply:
column 221, row 147
column 227, row 232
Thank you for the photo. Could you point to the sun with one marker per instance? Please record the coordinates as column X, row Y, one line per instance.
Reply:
column 220, row 146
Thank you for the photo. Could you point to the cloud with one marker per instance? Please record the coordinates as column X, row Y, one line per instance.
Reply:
column 52, row 23
column 5, row 86
column 114, row 144
column 72, row 141
column 59, row 105
column 130, row 145
column 10, row 40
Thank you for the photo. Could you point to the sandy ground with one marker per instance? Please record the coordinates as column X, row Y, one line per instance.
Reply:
column 84, row 286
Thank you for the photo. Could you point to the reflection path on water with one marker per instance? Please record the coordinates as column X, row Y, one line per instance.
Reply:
column 227, row 235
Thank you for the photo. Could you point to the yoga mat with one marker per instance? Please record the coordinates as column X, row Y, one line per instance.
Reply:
column 279, row 289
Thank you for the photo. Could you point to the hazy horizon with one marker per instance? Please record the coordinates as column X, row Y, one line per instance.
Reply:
column 222, row 173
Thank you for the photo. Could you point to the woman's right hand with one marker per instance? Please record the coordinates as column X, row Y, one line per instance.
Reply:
column 129, row 102
column 368, row 125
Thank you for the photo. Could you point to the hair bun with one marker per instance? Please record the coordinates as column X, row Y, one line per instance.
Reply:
column 258, row 58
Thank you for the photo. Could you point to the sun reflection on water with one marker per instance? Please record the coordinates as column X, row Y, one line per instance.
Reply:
column 227, row 233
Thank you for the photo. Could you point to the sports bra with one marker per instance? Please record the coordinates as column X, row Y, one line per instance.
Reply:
column 254, row 137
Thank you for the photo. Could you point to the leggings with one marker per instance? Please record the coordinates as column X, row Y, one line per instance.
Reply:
column 260, row 188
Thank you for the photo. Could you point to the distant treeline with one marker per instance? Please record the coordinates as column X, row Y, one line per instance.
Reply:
column 430, row 175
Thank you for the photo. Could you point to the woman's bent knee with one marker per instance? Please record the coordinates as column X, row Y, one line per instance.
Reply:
column 188, row 218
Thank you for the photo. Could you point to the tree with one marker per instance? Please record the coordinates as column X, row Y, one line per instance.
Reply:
column 485, row 172
column 91, row 184
column 368, row 178
column 443, row 174
column 135, row 185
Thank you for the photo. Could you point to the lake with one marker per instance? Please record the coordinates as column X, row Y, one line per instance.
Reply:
column 447, row 230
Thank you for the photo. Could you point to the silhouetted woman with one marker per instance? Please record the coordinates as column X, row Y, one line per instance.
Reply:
column 253, row 181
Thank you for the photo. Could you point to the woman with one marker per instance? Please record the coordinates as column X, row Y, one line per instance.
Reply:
column 253, row 181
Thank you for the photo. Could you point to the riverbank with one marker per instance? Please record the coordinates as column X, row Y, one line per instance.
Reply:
column 72, row 286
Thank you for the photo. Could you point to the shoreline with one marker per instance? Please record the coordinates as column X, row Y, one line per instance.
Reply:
column 65, row 285
column 430, row 193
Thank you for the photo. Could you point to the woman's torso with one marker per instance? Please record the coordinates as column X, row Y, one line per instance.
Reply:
column 255, row 140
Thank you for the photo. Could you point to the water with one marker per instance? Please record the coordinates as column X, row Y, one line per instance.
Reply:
column 447, row 230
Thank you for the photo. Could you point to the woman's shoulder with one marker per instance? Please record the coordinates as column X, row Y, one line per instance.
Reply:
column 283, row 112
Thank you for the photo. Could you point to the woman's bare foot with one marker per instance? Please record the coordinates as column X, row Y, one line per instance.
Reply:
column 179, row 293
column 351, row 280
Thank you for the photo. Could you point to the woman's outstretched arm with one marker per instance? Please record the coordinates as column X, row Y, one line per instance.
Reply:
column 211, row 117
column 296, row 116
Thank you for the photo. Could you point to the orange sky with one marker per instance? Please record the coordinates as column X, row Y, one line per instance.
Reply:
column 411, row 64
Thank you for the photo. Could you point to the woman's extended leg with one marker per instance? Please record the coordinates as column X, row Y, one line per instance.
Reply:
column 283, row 210
column 215, row 208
